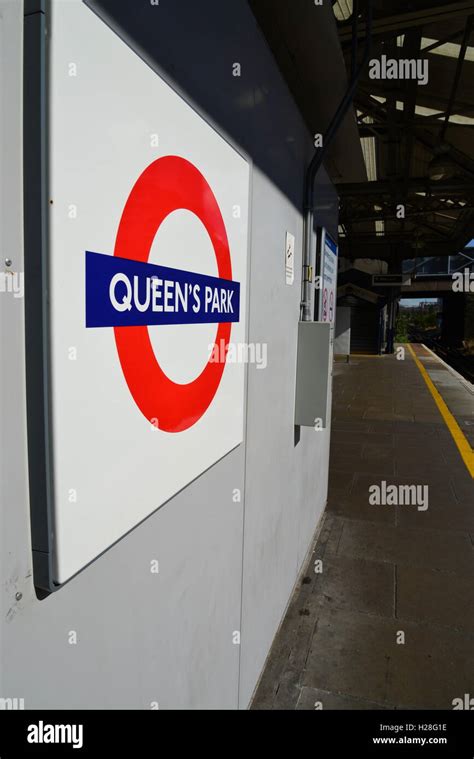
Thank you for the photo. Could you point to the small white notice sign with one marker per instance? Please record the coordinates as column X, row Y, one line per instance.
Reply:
column 290, row 258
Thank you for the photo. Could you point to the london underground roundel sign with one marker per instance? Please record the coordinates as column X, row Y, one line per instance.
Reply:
column 128, row 293
column 146, row 304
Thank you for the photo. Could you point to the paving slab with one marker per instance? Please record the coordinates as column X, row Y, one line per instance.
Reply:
column 312, row 699
column 443, row 598
column 357, row 506
column 356, row 584
column 432, row 549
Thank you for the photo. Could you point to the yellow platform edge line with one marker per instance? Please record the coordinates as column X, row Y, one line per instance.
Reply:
column 363, row 355
column 457, row 434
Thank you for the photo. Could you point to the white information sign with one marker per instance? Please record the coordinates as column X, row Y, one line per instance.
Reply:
column 328, row 293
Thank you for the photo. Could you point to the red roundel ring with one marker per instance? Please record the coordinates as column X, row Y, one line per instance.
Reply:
column 166, row 185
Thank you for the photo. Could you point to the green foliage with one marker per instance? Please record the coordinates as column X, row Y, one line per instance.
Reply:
column 401, row 328
column 420, row 318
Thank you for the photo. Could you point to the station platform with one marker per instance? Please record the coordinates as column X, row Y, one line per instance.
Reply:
column 383, row 615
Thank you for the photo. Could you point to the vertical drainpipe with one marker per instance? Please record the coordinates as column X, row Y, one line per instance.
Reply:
column 320, row 154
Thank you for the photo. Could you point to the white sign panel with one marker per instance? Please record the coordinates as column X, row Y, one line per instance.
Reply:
column 148, row 267
column 328, row 293
column 290, row 258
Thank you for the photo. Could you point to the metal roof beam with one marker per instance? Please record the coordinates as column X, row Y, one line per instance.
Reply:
column 457, row 76
column 414, row 184
column 402, row 21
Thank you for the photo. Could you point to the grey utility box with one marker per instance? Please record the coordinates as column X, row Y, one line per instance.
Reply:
column 314, row 373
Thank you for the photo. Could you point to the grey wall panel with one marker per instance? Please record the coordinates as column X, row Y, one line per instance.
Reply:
column 342, row 340
column 284, row 494
column 141, row 637
column 285, row 483
column 168, row 637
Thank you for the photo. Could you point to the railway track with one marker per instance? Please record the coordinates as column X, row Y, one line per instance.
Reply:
column 462, row 363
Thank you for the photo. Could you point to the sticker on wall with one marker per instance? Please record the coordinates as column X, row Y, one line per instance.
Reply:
column 290, row 258
column 147, row 274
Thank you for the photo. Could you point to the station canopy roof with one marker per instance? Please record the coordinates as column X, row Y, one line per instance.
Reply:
column 407, row 141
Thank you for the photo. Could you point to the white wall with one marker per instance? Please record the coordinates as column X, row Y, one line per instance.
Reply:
column 342, row 337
